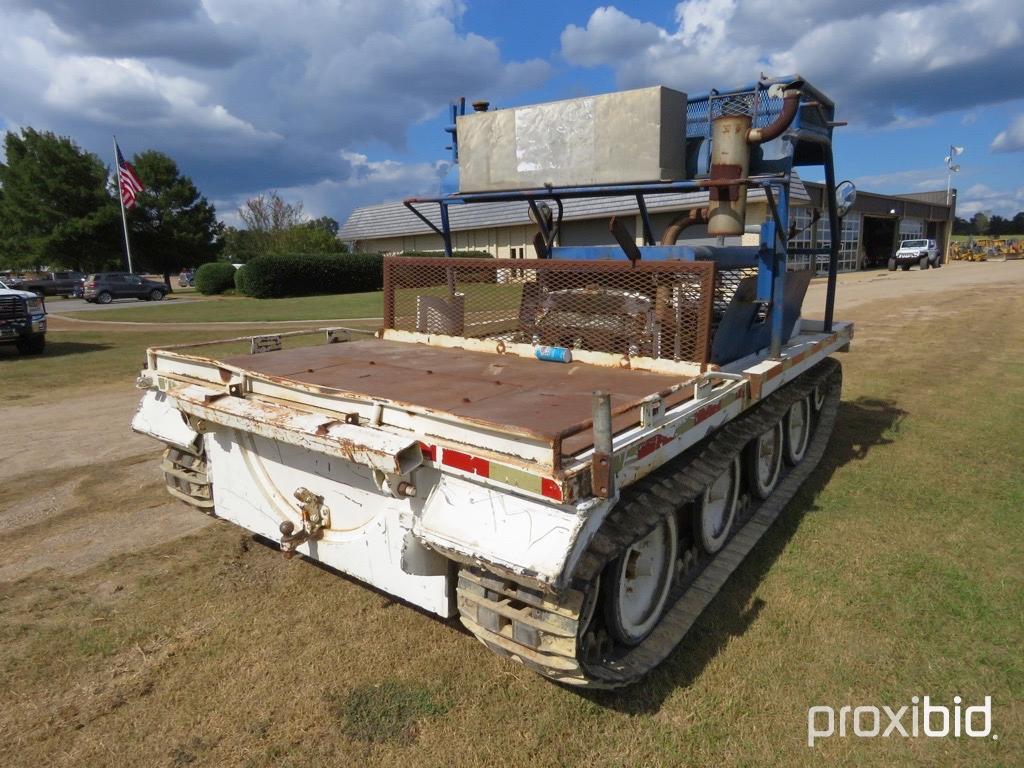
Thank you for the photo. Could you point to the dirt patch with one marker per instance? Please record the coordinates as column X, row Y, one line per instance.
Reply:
column 79, row 486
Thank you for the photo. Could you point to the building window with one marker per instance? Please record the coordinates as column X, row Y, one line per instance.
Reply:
column 800, row 217
column 911, row 229
column 847, row 246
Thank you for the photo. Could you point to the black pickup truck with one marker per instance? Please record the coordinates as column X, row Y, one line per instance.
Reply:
column 54, row 284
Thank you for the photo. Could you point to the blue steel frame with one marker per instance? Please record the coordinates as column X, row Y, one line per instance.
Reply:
column 807, row 141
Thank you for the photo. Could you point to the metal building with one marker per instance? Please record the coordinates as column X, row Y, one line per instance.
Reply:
column 871, row 230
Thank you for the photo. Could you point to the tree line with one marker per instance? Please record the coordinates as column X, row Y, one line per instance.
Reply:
column 59, row 208
column 994, row 225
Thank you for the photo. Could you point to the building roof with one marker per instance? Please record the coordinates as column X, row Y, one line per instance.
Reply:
column 394, row 219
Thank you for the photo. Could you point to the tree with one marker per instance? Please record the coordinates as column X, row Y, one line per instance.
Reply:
column 55, row 209
column 961, row 226
column 172, row 225
column 270, row 213
column 1017, row 223
column 276, row 226
column 325, row 223
column 241, row 245
column 998, row 226
column 979, row 223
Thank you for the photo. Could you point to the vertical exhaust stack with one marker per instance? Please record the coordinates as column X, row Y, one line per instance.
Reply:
column 732, row 134
column 730, row 160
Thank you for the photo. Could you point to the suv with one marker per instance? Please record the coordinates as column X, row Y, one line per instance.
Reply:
column 104, row 287
column 22, row 320
column 922, row 252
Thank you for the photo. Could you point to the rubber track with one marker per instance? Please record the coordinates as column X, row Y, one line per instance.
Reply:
column 544, row 633
column 186, row 474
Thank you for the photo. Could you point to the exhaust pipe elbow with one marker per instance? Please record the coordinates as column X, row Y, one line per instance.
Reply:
column 681, row 222
column 790, row 103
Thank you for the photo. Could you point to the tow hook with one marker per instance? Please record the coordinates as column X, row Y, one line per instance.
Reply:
column 315, row 517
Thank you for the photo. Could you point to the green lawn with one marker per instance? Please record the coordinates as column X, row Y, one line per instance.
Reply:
column 479, row 298
column 965, row 238
column 894, row 573
column 243, row 309
column 99, row 358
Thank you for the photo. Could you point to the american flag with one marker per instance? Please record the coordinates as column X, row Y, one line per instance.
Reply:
column 128, row 180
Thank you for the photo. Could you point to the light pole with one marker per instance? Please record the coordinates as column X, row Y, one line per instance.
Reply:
column 951, row 168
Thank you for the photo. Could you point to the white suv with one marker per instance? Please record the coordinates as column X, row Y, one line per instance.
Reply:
column 922, row 252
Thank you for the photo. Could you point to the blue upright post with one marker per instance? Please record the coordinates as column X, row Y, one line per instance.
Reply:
column 779, row 246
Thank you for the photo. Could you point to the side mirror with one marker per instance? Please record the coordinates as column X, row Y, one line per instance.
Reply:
column 846, row 196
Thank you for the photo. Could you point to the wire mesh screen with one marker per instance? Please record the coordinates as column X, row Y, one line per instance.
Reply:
column 727, row 282
column 651, row 309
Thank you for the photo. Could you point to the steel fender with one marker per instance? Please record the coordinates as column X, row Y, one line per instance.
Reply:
column 530, row 540
column 159, row 417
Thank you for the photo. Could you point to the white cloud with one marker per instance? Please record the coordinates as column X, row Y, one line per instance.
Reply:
column 249, row 96
column 981, row 197
column 918, row 180
column 1012, row 139
column 367, row 181
column 881, row 61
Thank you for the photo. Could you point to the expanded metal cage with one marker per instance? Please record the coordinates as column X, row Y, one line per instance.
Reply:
column 652, row 309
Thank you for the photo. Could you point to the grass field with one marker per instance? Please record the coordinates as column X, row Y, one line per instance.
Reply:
column 74, row 358
column 242, row 309
column 102, row 357
column 965, row 238
column 896, row 572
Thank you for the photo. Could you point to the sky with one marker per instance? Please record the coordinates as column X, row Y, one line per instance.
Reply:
column 342, row 103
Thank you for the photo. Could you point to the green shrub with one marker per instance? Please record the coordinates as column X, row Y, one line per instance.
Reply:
column 215, row 277
column 276, row 275
column 240, row 280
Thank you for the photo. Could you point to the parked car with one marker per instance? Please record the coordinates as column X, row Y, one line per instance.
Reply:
column 22, row 320
column 187, row 278
column 104, row 287
column 53, row 283
column 924, row 253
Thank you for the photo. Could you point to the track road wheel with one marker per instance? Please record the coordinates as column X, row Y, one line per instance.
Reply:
column 716, row 510
column 763, row 461
column 637, row 584
column 797, row 431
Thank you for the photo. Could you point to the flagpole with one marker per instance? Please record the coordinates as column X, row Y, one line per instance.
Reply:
column 124, row 218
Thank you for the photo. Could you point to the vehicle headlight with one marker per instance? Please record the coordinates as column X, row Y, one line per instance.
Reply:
column 35, row 306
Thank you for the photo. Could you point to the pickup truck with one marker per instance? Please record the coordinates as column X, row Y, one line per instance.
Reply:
column 22, row 320
column 54, row 283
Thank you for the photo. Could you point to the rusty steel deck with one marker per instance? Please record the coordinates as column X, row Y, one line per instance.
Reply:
column 551, row 401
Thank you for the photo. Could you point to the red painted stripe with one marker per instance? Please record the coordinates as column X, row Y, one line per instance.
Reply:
column 550, row 489
column 706, row 412
column 651, row 444
column 429, row 451
column 466, row 463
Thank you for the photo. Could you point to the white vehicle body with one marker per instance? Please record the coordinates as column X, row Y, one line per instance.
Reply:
column 919, row 251
column 408, row 492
